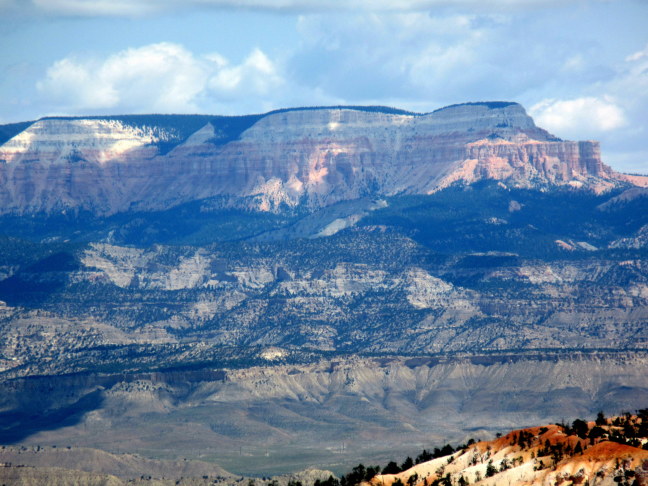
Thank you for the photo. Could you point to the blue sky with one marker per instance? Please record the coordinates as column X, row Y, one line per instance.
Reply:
column 580, row 67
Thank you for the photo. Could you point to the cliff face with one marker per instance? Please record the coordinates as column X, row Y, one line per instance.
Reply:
column 529, row 163
column 314, row 157
column 61, row 141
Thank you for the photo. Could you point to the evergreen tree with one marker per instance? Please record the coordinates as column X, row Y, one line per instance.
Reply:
column 408, row 463
column 580, row 428
column 391, row 468
column 600, row 419
column 490, row 469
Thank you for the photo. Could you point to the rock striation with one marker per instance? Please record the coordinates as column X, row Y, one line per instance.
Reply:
column 310, row 158
column 585, row 453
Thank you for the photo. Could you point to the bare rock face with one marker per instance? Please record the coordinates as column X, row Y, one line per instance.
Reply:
column 61, row 141
column 315, row 157
column 530, row 163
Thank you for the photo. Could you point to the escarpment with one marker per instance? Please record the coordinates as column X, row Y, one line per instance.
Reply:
column 299, row 157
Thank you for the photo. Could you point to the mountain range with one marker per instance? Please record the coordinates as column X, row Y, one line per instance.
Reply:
column 309, row 158
column 288, row 289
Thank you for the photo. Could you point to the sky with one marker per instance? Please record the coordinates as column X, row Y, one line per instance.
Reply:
column 579, row 67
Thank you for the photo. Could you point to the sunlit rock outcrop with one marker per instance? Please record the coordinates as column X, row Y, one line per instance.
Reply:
column 284, row 159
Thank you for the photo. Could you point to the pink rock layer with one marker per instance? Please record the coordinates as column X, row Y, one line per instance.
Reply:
column 311, row 157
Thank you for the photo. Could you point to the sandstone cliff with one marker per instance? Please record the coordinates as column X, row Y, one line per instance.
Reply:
column 311, row 157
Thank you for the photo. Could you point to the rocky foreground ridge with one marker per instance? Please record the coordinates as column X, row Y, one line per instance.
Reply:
column 310, row 158
column 601, row 452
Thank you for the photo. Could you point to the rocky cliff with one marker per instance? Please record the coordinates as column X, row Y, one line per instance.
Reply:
column 309, row 157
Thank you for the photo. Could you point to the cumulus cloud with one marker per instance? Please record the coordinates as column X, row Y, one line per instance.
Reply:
column 350, row 57
column 414, row 54
column 630, row 87
column 159, row 76
column 580, row 115
column 633, row 80
column 575, row 85
column 162, row 77
column 612, row 111
column 256, row 74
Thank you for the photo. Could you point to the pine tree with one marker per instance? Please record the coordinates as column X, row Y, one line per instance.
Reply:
column 600, row 419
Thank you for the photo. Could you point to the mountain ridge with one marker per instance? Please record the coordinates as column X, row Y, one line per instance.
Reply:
column 309, row 157
column 9, row 130
column 14, row 127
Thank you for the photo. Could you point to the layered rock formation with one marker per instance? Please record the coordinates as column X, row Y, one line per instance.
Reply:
column 605, row 453
column 378, row 306
column 314, row 157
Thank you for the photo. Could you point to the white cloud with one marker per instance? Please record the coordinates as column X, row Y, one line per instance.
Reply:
column 73, row 83
column 374, row 56
column 163, row 77
column 576, row 116
column 257, row 74
column 143, row 7
column 632, row 82
column 637, row 56
column 582, row 66
column 612, row 110
column 99, row 8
